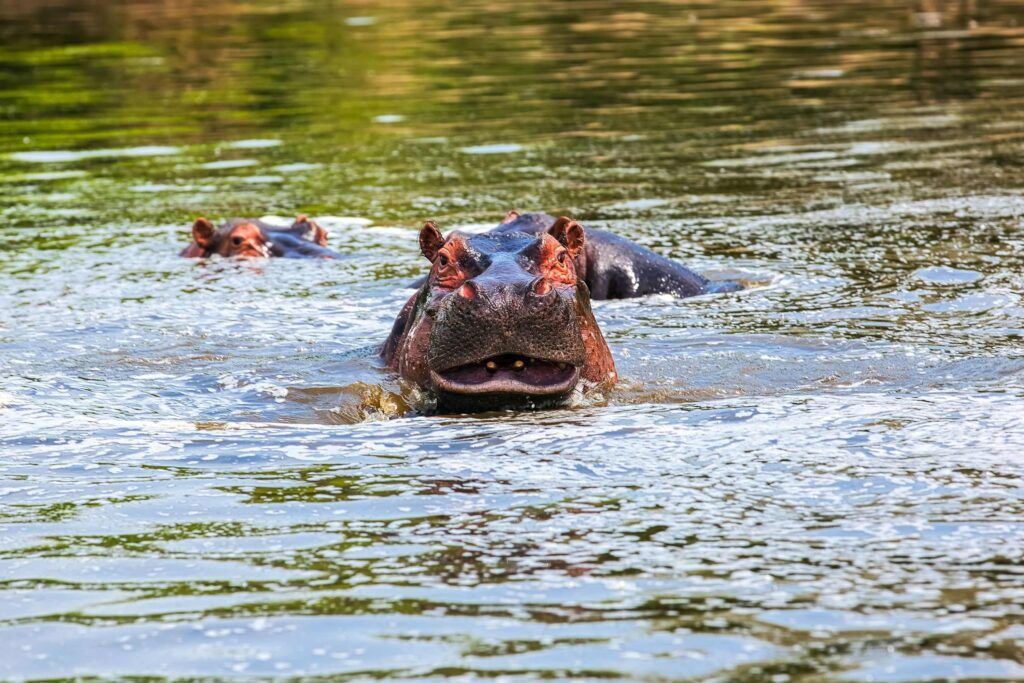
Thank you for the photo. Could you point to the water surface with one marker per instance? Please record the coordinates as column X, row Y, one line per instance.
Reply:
column 820, row 478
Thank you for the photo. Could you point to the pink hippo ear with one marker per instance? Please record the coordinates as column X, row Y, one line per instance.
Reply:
column 316, row 233
column 431, row 240
column 202, row 232
column 320, row 235
column 569, row 233
column 510, row 216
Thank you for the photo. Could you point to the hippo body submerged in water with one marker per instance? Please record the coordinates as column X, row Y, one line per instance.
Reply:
column 252, row 238
column 614, row 267
column 504, row 320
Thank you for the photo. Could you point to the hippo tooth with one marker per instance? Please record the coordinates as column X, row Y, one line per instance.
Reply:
column 491, row 366
column 518, row 364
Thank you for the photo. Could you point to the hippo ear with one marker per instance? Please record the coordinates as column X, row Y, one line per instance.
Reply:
column 569, row 233
column 510, row 216
column 315, row 233
column 320, row 235
column 431, row 240
column 202, row 232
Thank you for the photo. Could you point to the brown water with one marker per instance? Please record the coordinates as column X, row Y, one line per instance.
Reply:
column 821, row 478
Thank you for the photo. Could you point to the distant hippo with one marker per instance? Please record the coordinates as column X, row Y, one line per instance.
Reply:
column 504, row 319
column 252, row 238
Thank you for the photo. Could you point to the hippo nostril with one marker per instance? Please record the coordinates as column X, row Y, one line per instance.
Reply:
column 541, row 287
column 467, row 291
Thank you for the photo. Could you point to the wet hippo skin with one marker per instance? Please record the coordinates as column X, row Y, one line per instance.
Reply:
column 252, row 238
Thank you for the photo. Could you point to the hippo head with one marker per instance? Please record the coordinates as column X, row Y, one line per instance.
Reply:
column 246, row 239
column 501, row 321
column 242, row 239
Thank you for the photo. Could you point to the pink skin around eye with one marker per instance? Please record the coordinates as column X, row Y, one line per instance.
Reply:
column 556, row 264
column 447, row 270
column 246, row 241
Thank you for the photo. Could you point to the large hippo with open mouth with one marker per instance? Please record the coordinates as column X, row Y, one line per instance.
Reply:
column 503, row 319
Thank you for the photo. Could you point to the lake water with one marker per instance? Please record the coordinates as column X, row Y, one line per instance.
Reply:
column 819, row 478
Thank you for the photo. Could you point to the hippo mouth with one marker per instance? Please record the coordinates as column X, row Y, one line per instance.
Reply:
column 508, row 374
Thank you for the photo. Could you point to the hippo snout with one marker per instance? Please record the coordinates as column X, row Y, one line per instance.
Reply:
column 506, row 319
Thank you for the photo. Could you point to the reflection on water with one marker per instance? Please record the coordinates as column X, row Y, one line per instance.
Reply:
column 818, row 478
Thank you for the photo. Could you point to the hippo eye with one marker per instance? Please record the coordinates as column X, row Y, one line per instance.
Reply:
column 561, row 257
column 237, row 240
column 442, row 260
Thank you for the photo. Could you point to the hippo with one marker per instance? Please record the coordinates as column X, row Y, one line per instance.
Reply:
column 503, row 319
column 252, row 238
